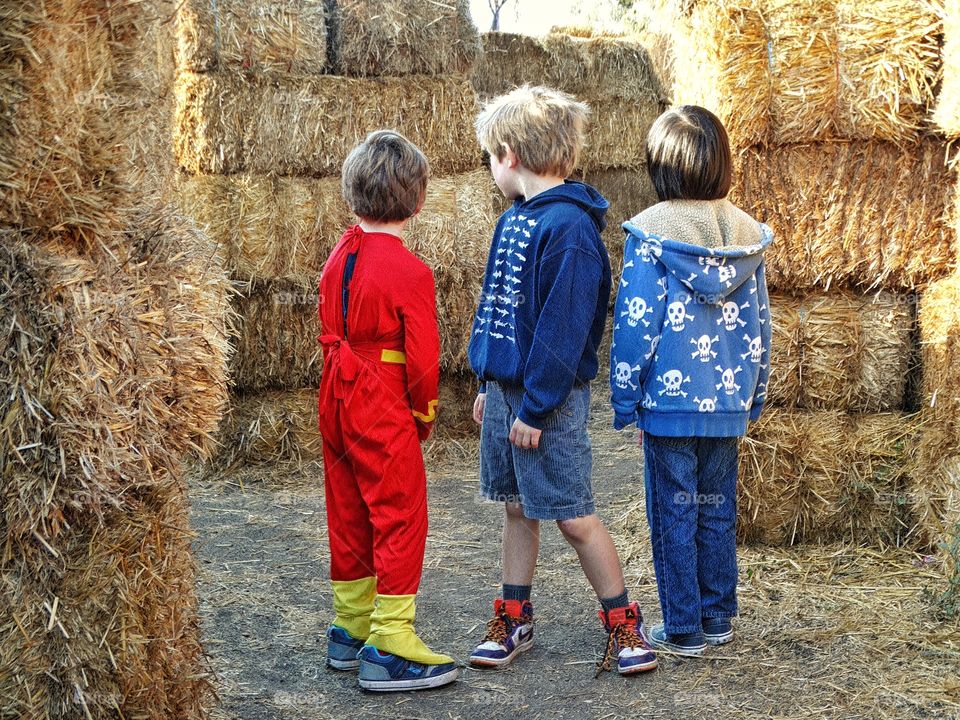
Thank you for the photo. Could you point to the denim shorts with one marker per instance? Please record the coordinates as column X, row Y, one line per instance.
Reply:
column 552, row 482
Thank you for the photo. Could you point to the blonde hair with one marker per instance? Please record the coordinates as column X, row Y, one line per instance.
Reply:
column 384, row 178
column 542, row 126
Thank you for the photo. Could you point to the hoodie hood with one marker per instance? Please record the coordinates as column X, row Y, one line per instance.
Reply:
column 713, row 273
column 572, row 191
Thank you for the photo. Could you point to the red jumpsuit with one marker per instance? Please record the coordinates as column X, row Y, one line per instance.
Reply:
column 378, row 399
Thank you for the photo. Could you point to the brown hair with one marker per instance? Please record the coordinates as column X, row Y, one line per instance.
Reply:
column 688, row 155
column 385, row 177
column 542, row 126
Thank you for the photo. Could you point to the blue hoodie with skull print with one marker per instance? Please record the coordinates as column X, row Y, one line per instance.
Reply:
column 691, row 338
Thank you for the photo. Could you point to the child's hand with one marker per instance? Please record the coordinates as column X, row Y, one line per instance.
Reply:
column 524, row 436
column 478, row 406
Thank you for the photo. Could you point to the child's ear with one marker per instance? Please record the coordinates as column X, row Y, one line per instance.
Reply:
column 420, row 205
column 509, row 156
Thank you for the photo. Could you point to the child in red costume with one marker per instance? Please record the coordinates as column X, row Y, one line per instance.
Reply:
column 378, row 400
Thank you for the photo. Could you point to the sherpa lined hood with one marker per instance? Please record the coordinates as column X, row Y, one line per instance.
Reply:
column 711, row 247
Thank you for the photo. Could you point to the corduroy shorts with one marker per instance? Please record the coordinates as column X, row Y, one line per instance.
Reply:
column 551, row 482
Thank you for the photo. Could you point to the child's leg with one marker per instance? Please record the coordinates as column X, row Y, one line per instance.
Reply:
column 598, row 556
column 672, row 467
column 717, row 527
column 351, row 545
column 521, row 543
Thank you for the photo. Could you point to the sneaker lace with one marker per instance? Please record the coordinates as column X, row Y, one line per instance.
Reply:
column 497, row 629
column 619, row 636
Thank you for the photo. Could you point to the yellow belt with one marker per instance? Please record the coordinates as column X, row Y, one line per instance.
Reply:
column 396, row 357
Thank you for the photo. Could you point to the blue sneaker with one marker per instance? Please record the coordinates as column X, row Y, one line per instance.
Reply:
column 342, row 649
column 508, row 634
column 383, row 672
column 717, row 631
column 626, row 641
column 689, row 644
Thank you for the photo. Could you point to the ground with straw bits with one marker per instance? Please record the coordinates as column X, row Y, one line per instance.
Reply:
column 831, row 631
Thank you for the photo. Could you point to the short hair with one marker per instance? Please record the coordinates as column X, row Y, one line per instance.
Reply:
column 542, row 126
column 688, row 155
column 385, row 177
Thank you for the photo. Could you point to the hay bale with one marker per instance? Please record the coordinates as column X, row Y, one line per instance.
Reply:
column 769, row 482
column 275, row 228
column 613, row 76
column 280, row 427
column 946, row 115
column 880, row 453
column 594, row 67
column 104, row 358
column 276, row 345
column 109, row 626
column 73, row 75
column 229, row 124
column 867, row 215
column 404, row 37
column 796, row 71
column 272, row 427
column 822, row 476
column 839, row 351
column 282, row 37
column 786, row 354
column 114, row 370
column 269, row 228
column 629, row 192
column 886, row 325
column 724, row 45
column 830, row 331
column 934, row 478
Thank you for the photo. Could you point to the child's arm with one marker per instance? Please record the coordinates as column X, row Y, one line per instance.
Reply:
column 637, row 322
column 570, row 280
column 422, row 347
column 766, row 333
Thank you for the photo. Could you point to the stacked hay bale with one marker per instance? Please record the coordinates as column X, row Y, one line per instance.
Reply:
column 827, row 105
column 616, row 78
column 113, row 311
column 271, row 96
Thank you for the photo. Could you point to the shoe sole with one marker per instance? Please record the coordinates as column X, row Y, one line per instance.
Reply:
column 719, row 639
column 677, row 650
column 343, row 665
column 401, row 685
column 485, row 662
column 636, row 669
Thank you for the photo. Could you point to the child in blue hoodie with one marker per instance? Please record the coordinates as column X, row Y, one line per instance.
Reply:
column 534, row 347
column 689, row 365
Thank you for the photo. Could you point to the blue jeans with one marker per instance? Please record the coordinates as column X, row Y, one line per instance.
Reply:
column 691, row 485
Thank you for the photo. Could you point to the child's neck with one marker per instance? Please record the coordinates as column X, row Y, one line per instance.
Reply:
column 532, row 184
column 390, row 228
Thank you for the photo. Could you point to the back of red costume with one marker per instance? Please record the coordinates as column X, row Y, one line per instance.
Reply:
column 378, row 398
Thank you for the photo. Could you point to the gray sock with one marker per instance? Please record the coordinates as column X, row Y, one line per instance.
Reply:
column 516, row 592
column 613, row 603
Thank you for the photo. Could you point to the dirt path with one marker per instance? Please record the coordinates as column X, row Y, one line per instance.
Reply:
column 828, row 632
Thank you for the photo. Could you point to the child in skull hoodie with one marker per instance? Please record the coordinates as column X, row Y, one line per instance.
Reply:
column 689, row 365
column 691, row 331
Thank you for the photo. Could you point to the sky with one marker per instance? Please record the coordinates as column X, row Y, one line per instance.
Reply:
column 530, row 17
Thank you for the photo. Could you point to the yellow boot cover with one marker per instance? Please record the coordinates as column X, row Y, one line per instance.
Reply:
column 353, row 604
column 391, row 631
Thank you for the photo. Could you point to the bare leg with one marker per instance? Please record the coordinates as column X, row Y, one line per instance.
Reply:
column 598, row 556
column 521, row 543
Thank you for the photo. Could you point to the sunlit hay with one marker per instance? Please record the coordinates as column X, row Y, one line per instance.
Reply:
column 281, row 37
column 404, row 37
column 228, row 124
column 866, row 215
